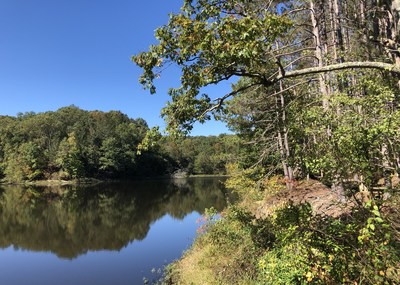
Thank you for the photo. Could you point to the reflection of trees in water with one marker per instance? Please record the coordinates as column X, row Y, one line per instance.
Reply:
column 196, row 194
column 106, row 216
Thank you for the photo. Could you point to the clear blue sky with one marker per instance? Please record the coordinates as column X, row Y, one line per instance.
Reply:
column 55, row 53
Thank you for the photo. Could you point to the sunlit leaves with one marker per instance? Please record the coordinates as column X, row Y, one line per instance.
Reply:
column 211, row 41
column 69, row 143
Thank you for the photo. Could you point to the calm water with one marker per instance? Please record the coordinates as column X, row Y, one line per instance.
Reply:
column 114, row 233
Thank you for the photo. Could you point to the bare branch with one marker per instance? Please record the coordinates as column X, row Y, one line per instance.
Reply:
column 221, row 100
column 295, row 51
column 293, row 86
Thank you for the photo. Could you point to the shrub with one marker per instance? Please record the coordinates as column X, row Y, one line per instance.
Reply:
column 322, row 250
column 295, row 246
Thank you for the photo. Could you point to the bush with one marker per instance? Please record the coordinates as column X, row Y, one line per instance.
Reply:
column 322, row 250
column 295, row 246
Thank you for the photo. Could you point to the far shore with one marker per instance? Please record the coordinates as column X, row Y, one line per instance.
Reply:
column 51, row 182
column 93, row 181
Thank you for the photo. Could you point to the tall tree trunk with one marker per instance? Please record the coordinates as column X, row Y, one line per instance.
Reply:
column 319, row 55
column 337, row 30
column 282, row 136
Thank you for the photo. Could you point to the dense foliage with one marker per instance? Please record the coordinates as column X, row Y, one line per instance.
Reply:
column 72, row 143
column 292, row 245
column 317, row 92
column 295, row 247
column 203, row 155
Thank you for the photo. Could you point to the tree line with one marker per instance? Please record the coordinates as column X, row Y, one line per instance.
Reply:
column 71, row 143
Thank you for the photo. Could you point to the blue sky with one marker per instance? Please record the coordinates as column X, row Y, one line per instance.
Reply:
column 55, row 53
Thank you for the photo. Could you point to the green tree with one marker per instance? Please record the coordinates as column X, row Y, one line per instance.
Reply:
column 69, row 157
column 212, row 41
column 25, row 163
column 287, row 67
column 69, row 143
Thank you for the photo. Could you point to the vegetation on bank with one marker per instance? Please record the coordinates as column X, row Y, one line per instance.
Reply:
column 72, row 144
column 294, row 244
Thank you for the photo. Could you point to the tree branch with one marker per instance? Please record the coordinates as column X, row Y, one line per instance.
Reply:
column 221, row 100
column 340, row 66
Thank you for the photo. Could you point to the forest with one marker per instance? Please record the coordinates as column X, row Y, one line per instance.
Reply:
column 315, row 97
column 71, row 143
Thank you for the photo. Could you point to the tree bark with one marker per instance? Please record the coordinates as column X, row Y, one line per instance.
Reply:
column 319, row 55
column 282, row 136
column 341, row 66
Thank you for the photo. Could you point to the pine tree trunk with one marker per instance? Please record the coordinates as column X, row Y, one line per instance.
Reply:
column 282, row 136
column 319, row 55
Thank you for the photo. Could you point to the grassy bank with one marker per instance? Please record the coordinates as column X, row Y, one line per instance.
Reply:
column 294, row 242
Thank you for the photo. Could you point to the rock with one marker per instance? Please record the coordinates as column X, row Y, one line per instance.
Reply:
column 180, row 173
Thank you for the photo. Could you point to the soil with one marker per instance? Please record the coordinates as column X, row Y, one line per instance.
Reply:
column 322, row 199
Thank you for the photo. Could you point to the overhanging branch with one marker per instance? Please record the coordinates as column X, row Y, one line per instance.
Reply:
column 341, row 66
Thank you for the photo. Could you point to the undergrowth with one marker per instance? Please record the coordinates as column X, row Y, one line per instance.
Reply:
column 295, row 246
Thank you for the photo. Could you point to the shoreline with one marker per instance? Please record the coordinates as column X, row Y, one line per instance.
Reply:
column 95, row 181
column 51, row 182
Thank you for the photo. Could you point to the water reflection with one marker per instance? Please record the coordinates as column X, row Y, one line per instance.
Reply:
column 71, row 221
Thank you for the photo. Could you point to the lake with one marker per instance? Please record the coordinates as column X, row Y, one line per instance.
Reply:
column 111, row 233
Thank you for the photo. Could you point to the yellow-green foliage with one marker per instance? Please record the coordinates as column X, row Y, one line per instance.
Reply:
column 284, row 265
column 273, row 185
column 294, row 247
column 224, row 254
column 244, row 182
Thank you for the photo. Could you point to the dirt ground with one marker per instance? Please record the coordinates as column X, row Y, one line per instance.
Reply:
column 322, row 199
